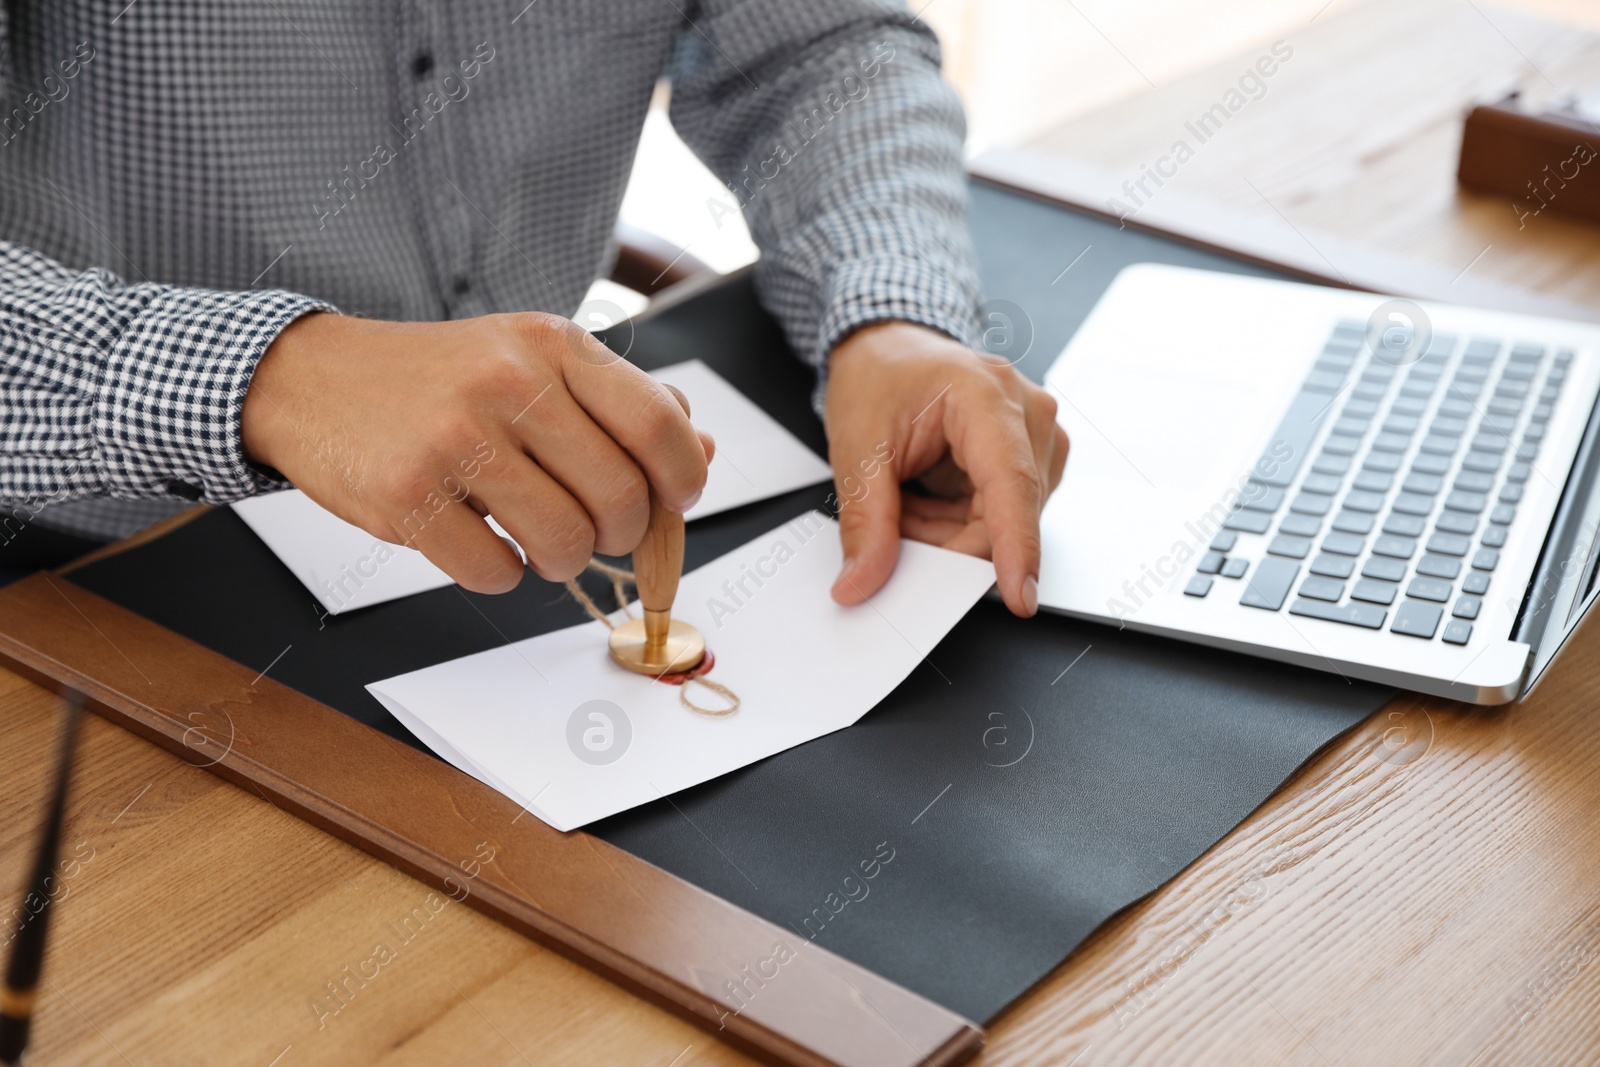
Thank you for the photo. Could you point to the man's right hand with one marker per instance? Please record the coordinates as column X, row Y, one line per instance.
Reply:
column 415, row 431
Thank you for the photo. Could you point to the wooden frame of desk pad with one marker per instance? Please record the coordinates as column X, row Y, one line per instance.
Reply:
column 631, row 921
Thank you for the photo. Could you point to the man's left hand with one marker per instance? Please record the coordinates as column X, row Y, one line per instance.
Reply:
column 906, row 402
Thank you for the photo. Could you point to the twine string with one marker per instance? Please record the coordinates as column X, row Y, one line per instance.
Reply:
column 619, row 582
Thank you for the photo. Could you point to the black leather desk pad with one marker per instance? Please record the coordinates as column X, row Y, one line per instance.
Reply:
column 1023, row 802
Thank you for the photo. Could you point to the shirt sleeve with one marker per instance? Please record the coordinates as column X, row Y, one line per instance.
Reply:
column 833, row 129
column 127, row 390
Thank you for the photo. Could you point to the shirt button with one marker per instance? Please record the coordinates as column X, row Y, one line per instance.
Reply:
column 422, row 65
column 462, row 285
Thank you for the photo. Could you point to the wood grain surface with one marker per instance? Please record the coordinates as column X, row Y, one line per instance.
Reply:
column 1426, row 891
column 471, row 846
column 1355, row 138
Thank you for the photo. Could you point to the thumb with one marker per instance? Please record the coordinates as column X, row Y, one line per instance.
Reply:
column 869, row 528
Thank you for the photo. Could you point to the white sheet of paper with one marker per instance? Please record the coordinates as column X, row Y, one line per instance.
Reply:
column 523, row 718
column 346, row 568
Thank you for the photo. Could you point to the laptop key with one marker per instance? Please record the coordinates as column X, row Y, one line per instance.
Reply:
column 1293, row 547
column 1450, row 427
column 1321, row 381
column 1300, row 525
column 1224, row 541
column 1460, row 500
column 1519, row 472
column 1476, row 583
column 1351, row 614
column 1431, row 463
column 1328, row 463
column 1408, row 405
column 1455, row 408
column 1482, row 461
column 1413, row 504
column 1295, row 433
column 1503, row 514
column 1474, row 481
column 1440, row 444
column 1353, row 522
column 1248, row 522
column 1210, row 563
column 1438, row 566
column 1396, row 547
column 1504, row 406
column 1342, row 445
column 1429, row 589
column 1494, row 537
column 1344, row 544
column 1449, row 544
column 1234, row 567
column 1259, row 497
column 1388, row 462
column 1467, row 607
column 1457, row 632
column 1388, row 570
column 1404, row 525
column 1322, row 589
column 1372, row 481
column 1417, row 618
column 1457, row 522
column 1269, row 586
column 1402, row 424
column 1391, row 442
column 1417, row 482
column 1490, row 441
column 1321, row 483
column 1485, row 559
column 1333, row 566
column 1312, row 504
column 1377, row 592
column 1199, row 585
column 1360, row 500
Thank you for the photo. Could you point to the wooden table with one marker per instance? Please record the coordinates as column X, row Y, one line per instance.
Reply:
column 1427, row 890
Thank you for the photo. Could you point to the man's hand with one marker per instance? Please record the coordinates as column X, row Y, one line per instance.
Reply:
column 415, row 431
column 906, row 402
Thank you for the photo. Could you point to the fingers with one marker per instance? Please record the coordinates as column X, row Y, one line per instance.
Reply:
column 869, row 525
column 457, row 541
column 1049, row 439
column 555, row 530
column 591, row 467
column 637, row 412
column 990, row 440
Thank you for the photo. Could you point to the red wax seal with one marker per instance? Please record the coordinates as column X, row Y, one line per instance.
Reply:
column 703, row 667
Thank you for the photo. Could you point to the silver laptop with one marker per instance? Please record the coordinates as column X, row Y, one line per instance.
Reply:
column 1387, row 490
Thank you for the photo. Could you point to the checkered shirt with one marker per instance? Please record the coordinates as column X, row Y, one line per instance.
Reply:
column 180, row 179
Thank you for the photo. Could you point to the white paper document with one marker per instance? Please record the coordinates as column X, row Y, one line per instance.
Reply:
column 346, row 568
column 553, row 724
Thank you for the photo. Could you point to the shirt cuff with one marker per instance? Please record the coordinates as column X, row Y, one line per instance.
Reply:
column 167, row 407
column 894, row 289
column 897, row 289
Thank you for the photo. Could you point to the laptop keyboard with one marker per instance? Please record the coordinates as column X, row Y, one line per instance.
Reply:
column 1398, row 522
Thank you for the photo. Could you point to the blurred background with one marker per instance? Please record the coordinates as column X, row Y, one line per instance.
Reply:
column 1022, row 67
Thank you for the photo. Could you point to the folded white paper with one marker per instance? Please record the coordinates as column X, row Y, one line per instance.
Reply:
column 553, row 724
column 346, row 568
